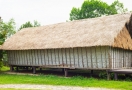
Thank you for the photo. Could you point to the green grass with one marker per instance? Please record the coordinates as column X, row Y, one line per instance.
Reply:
column 57, row 80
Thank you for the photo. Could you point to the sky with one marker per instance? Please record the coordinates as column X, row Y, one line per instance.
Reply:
column 44, row 11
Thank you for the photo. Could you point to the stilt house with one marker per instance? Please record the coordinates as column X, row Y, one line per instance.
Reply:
column 98, row 43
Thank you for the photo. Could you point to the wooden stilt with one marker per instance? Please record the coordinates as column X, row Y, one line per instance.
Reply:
column 108, row 75
column 115, row 76
column 34, row 70
column 66, row 72
column 11, row 68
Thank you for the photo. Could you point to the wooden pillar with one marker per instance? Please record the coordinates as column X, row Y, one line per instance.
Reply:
column 34, row 69
column 108, row 75
column 115, row 76
column 11, row 68
column 66, row 72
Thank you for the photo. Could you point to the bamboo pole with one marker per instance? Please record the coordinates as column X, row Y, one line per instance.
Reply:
column 74, row 57
column 78, row 57
column 82, row 57
column 91, row 57
column 96, row 57
column 55, row 57
column 101, row 56
column 86, row 56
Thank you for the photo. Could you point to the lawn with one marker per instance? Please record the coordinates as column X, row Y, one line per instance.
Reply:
column 57, row 80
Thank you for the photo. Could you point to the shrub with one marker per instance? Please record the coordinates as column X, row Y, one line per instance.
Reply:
column 103, row 75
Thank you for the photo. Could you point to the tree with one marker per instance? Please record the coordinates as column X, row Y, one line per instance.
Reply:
column 118, row 7
column 29, row 24
column 96, row 8
column 7, row 29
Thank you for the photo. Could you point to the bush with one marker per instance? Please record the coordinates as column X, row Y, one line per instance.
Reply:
column 103, row 75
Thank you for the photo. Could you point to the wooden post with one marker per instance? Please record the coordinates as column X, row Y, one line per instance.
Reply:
column 115, row 76
column 108, row 75
column 11, row 68
column 66, row 72
column 34, row 70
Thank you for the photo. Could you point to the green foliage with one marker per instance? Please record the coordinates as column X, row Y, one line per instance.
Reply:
column 103, row 75
column 96, row 8
column 29, row 24
column 7, row 29
column 118, row 7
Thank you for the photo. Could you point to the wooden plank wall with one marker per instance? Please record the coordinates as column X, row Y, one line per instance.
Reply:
column 121, row 59
column 83, row 58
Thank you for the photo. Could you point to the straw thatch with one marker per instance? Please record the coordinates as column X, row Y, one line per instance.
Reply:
column 102, row 31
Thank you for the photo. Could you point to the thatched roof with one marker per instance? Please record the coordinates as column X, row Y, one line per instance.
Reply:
column 102, row 31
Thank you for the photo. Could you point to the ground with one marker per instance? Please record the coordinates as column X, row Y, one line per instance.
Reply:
column 47, row 87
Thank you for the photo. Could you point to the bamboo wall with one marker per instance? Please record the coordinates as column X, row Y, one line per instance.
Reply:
column 83, row 58
column 121, row 58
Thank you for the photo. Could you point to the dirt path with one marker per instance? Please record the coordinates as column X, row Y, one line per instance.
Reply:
column 47, row 87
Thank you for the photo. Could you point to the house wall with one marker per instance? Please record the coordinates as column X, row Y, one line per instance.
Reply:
column 121, row 58
column 85, row 58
